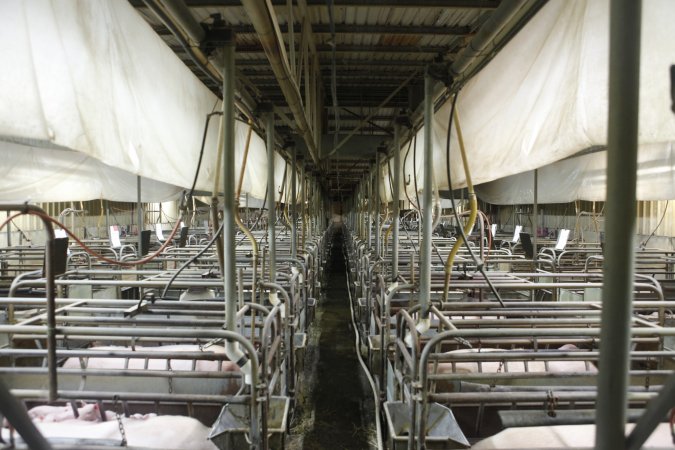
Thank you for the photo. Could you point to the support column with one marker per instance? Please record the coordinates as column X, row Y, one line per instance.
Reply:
column 303, row 199
column 535, row 215
column 229, row 263
column 427, row 205
column 617, row 290
column 378, row 244
column 396, row 201
column 9, row 232
column 370, row 210
column 232, row 348
column 139, row 210
column 294, row 200
column 271, row 197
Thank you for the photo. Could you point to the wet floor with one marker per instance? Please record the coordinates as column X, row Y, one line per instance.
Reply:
column 341, row 399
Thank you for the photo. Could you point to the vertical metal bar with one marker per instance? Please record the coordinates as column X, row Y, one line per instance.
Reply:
column 107, row 217
column 9, row 232
column 397, row 203
column 370, row 210
column 50, row 294
column 294, row 201
column 229, row 266
column 535, row 215
column 139, row 211
column 427, row 206
column 229, row 204
column 291, row 36
column 303, row 199
column 377, row 205
column 271, row 197
column 617, row 291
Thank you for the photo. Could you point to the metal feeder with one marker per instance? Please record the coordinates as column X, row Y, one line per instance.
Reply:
column 442, row 431
column 231, row 429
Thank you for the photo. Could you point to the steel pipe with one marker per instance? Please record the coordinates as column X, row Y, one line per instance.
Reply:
column 427, row 200
column 377, row 200
column 139, row 211
column 50, row 294
column 395, row 199
column 294, row 201
column 261, row 19
column 617, row 292
column 271, row 198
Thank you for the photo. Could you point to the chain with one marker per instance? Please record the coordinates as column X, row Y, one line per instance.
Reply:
column 120, row 425
column 551, row 404
column 208, row 344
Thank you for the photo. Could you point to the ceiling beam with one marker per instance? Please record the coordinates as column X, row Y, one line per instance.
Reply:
column 466, row 4
column 250, row 62
column 348, row 48
column 354, row 48
column 346, row 28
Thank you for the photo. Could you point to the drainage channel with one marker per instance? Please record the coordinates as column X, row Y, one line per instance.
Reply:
column 340, row 405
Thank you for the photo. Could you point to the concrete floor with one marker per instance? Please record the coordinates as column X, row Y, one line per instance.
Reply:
column 335, row 411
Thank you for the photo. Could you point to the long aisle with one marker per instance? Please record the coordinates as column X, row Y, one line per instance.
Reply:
column 342, row 400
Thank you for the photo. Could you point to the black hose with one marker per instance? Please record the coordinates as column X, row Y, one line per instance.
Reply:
column 417, row 193
column 405, row 159
column 191, row 260
column 201, row 152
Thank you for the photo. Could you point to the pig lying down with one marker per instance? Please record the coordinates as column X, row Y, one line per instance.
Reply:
column 87, row 413
column 556, row 366
column 161, row 363
column 149, row 431
column 563, row 436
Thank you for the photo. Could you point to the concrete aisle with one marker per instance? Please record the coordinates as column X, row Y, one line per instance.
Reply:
column 341, row 399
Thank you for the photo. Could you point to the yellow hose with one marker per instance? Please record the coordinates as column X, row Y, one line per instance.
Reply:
column 391, row 226
column 237, row 218
column 473, row 203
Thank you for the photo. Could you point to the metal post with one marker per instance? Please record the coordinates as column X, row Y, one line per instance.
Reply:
column 9, row 232
column 535, row 215
column 50, row 294
column 294, row 201
column 107, row 217
column 427, row 205
column 139, row 211
column 248, row 220
column 303, row 199
column 229, row 276
column 271, row 197
column 370, row 210
column 622, row 136
column 377, row 205
column 395, row 200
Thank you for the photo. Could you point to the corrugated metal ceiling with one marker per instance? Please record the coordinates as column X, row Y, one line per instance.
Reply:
column 378, row 44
